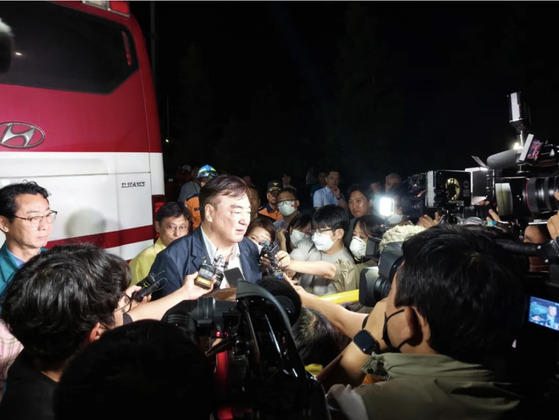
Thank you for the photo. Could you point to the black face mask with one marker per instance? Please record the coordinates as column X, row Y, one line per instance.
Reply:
column 386, row 338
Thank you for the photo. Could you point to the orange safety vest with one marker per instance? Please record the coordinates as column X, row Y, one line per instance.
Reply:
column 192, row 203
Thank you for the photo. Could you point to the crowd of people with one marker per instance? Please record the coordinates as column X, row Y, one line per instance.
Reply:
column 435, row 346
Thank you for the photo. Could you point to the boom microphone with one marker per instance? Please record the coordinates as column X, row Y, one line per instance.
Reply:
column 503, row 160
column 547, row 251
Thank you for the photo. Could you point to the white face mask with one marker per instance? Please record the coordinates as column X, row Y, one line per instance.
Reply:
column 394, row 218
column 259, row 248
column 297, row 237
column 358, row 247
column 286, row 208
column 322, row 241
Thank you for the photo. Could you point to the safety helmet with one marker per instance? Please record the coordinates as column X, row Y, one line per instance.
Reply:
column 206, row 171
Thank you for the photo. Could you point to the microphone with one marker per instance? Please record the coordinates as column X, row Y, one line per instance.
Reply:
column 149, row 285
column 547, row 251
column 503, row 160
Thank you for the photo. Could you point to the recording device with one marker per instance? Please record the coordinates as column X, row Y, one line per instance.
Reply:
column 206, row 274
column 149, row 285
column 375, row 282
column 520, row 185
column 259, row 371
column 269, row 250
column 448, row 192
column 544, row 312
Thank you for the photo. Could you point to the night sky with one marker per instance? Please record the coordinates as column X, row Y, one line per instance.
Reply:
column 422, row 85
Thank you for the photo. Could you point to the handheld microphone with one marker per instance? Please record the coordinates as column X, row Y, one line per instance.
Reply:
column 149, row 285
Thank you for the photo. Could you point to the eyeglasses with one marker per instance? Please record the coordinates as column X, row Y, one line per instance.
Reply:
column 35, row 220
column 173, row 228
column 313, row 231
column 124, row 303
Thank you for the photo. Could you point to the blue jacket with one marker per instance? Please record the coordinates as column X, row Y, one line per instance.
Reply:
column 185, row 256
column 8, row 267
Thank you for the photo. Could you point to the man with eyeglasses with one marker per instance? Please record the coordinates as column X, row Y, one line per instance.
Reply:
column 172, row 221
column 329, row 224
column 26, row 220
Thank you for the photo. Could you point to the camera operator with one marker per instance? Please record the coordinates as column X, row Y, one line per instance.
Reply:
column 437, row 342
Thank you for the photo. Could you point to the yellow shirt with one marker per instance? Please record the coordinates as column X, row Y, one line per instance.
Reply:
column 141, row 263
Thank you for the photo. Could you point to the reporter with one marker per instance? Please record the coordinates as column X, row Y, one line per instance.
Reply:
column 436, row 342
column 145, row 370
column 75, row 293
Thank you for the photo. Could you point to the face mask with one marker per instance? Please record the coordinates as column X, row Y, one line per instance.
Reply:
column 297, row 237
column 385, row 336
column 286, row 208
column 322, row 241
column 394, row 219
column 259, row 248
column 358, row 247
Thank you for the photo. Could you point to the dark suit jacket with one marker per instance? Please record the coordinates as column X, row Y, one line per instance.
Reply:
column 185, row 256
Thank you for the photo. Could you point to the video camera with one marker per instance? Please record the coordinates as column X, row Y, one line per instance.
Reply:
column 519, row 184
column 259, row 371
column 447, row 192
column 375, row 282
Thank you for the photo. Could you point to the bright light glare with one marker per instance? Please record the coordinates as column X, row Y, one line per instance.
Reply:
column 386, row 206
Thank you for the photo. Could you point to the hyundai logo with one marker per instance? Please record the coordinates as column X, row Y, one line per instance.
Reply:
column 20, row 135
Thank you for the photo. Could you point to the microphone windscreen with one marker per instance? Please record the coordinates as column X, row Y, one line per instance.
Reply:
column 503, row 160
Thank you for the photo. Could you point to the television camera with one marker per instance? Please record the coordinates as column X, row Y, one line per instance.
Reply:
column 520, row 184
column 259, row 372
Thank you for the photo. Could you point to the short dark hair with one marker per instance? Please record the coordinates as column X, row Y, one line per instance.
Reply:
column 9, row 193
column 330, row 216
column 374, row 226
column 289, row 190
column 316, row 338
column 361, row 188
column 221, row 185
column 56, row 298
column 299, row 221
column 265, row 223
column 143, row 370
column 468, row 288
column 172, row 209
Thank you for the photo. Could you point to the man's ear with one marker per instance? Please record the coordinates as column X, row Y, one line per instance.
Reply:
column 96, row 332
column 4, row 224
column 157, row 227
column 417, row 330
column 339, row 233
column 411, row 331
column 209, row 212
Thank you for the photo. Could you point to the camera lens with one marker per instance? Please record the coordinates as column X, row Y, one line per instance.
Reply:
column 522, row 197
column 539, row 195
column 381, row 288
